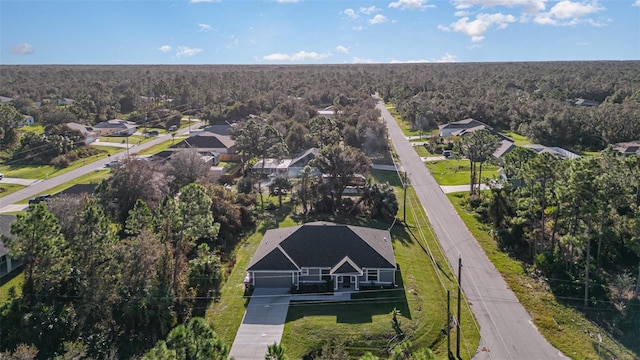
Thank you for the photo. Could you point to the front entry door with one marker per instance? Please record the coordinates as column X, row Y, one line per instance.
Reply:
column 346, row 281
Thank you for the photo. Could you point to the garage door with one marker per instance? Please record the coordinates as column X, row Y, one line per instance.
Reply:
column 272, row 280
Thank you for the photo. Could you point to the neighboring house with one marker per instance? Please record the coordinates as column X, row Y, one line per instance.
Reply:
column 87, row 132
column 505, row 147
column 272, row 167
column 299, row 162
column 5, row 100
column 115, row 127
column 628, row 148
column 459, row 128
column 7, row 264
column 557, row 151
column 28, row 120
column 583, row 102
column 329, row 111
column 467, row 126
column 288, row 167
column 207, row 142
column 348, row 257
column 65, row 102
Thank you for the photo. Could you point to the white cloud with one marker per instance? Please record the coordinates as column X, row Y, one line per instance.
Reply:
column 165, row 48
column 22, row 49
column 204, row 27
column 637, row 3
column 582, row 43
column 202, row 1
column 299, row 56
column 357, row 60
column 407, row 61
column 369, row 10
column 357, row 28
column 446, row 58
column 287, row 1
column 569, row 13
column 461, row 13
column 409, row 4
column 351, row 13
column 476, row 28
column 378, row 19
column 532, row 6
column 187, row 51
column 342, row 49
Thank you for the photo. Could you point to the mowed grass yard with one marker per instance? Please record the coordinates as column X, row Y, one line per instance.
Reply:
column 364, row 323
column 457, row 172
column 6, row 189
column 564, row 327
column 44, row 171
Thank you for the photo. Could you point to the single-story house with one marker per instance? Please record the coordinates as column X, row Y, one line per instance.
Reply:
column 557, row 151
column 7, row 264
column 329, row 111
column 88, row 133
column 27, row 120
column 5, row 100
column 459, row 128
column 348, row 257
column 210, row 143
column 115, row 127
column 628, row 148
column 583, row 102
column 272, row 166
column 286, row 167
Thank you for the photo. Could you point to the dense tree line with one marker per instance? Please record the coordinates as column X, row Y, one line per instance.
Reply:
column 577, row 223
column 530, row 98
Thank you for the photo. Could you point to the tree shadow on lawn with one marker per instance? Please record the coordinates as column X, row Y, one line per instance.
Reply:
column 360, row 309
column 405, row 235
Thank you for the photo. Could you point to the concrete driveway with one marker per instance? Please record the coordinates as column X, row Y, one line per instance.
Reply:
column 262, row 325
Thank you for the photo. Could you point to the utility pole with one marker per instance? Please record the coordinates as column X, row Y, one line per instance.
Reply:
column 459, row 302
column 405, row 185
column 448, row 324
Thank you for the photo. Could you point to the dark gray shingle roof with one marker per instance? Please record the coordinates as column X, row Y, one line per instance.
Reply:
column 325, row 245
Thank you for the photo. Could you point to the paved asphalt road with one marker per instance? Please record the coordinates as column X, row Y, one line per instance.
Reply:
column 44, row 185
column 506, row 329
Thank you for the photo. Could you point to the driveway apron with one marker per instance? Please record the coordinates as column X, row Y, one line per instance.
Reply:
column 262, row 325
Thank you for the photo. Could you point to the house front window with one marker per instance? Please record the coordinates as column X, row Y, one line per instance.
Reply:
column 372, row 275
column 305, row 272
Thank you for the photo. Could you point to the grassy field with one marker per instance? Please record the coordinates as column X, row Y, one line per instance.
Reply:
column 47, row 171
column 457, row 172
column 132, row 140
column 363, row 324
column 91, row 178
column 404, row 125
column 37, row 129
column 6, row 189
column 564, row 327
column 518, row 139
column 11, row 283
column 423, row 152
column 162, row 146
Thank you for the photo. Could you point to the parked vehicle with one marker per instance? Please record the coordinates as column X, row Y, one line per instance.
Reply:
column 1, row 176
column 39, row 199
column 173, row 128
column 113, row 164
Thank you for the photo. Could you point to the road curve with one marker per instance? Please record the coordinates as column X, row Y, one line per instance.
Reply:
column 46, row 184
column 506, row 329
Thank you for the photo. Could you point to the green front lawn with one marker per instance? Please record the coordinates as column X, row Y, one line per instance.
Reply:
column 37, row 129
column 457, row 172
column 519, row 140
column 47, row 171
column 6, row 189
column 564, row 327
column 131, row 140
column 11, row 283
column 364, row 323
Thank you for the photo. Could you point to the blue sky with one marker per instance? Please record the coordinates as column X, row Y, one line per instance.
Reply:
column 316, row 31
